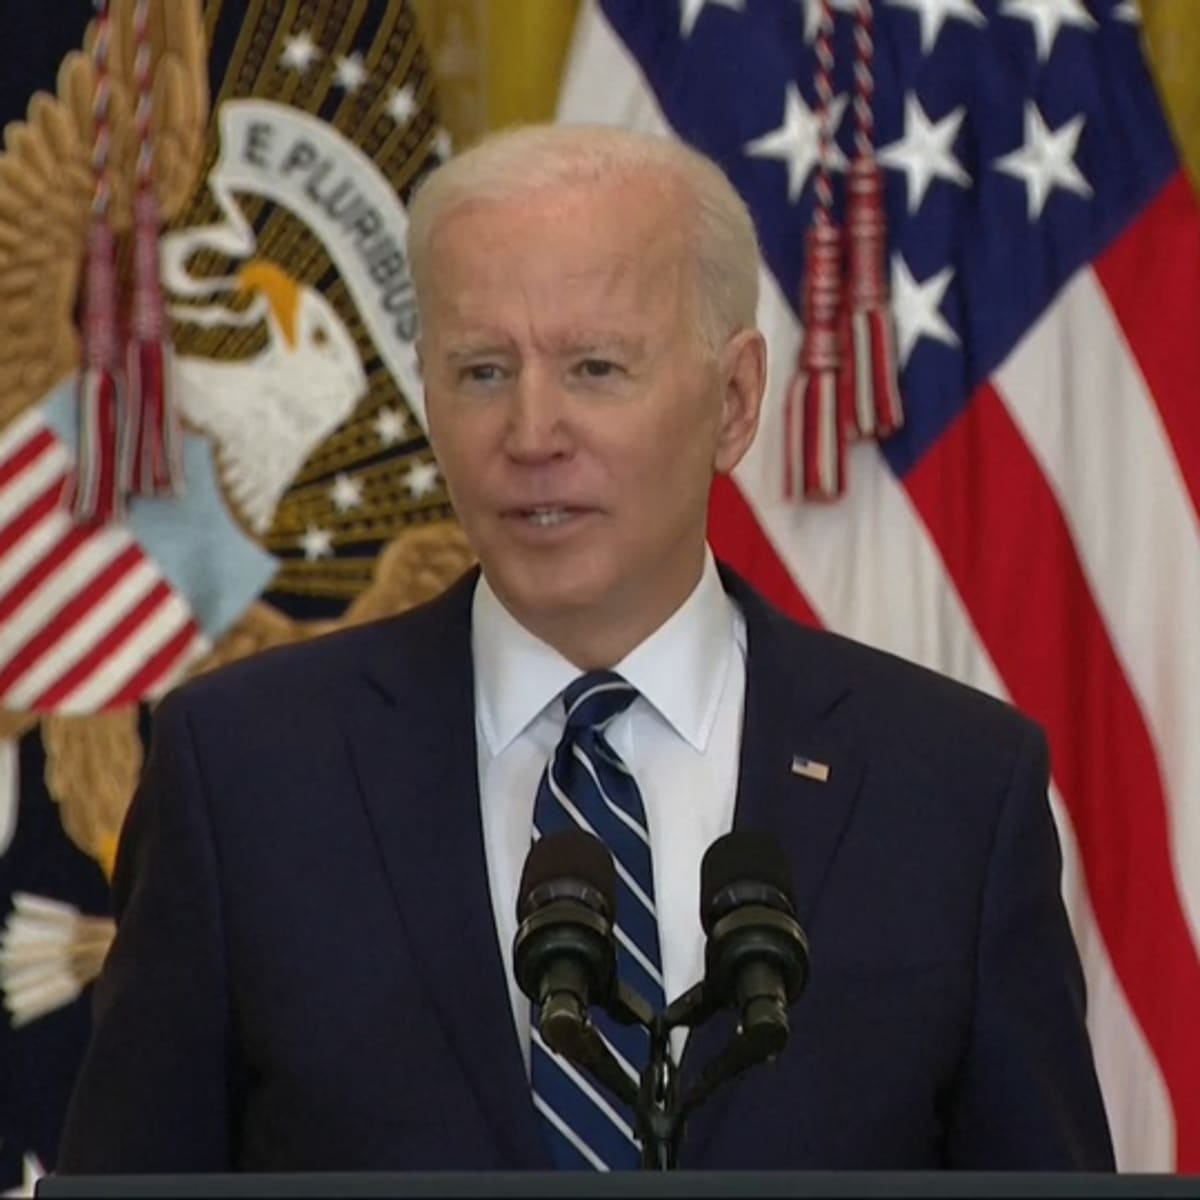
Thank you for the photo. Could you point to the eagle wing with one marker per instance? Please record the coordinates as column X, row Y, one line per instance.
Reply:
column 46, row 184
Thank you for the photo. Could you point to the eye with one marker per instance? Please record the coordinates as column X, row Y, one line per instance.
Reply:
column 481, row 373
column 320, row 336
column 597, row 368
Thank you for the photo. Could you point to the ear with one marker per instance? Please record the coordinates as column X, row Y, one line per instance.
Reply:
column 743, row 372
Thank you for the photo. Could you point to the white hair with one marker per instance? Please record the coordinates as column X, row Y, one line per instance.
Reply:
column 518, row 163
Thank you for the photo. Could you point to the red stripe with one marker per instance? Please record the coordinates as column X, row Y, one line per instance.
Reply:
column 42, row 569
column 1151, row 275
column 156, row 668
column 738, row 540
column 30, row 451
column 107, row 646
column 67, row 616
column 32, row 514
column 1010, row 554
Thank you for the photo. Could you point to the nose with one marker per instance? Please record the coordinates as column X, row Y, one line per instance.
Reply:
column 537, row 428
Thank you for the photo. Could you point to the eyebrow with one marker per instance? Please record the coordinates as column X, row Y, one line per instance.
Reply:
column 467, row 350
column 591, row 340
column 581, row 342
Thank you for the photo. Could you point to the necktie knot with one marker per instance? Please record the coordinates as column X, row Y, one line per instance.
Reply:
column 594, row 699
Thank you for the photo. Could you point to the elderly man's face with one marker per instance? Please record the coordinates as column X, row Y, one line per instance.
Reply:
column 577, row 417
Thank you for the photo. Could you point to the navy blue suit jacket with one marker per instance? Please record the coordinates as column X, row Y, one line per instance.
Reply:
column 307, row 975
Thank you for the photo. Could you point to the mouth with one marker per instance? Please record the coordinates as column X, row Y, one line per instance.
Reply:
column 546, row 516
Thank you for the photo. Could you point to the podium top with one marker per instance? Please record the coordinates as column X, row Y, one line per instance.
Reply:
column 635, row 1183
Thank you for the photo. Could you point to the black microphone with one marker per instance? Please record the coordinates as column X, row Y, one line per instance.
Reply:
column 564, row 954
column 756, row 958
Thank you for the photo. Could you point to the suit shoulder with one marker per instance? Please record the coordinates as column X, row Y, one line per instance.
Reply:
column 931, row 691
column 902, row 702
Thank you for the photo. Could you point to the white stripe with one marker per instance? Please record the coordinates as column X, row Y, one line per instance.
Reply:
column 31, row 547
column 618, row 812
column 94, row 625
column 14, row 499
column 1102, row 446
column 19, row 431
column 646, row 965
column 873, row 544
column 613, row 761
column 585, row 1086
column 569, row 1133
column 622, row 1061
column 127, row 660
column 1135, row 1095
column 71, row 576
column 583, row 824
column 49, row 467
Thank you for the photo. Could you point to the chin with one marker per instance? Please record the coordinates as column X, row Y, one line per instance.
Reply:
column 559, row 598
column 548, row 591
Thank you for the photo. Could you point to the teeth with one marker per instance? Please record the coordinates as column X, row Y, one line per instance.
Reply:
column 547, row 516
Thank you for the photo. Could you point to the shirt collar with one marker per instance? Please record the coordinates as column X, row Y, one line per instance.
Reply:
column 680, row 669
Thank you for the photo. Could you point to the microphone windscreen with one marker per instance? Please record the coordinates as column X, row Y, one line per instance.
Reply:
column 743, row 858
column 571, row 857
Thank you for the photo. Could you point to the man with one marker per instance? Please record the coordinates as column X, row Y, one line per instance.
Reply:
column 316, row 894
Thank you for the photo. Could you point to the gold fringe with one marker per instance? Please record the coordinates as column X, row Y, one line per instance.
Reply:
column 92, row 767
column 416, row 566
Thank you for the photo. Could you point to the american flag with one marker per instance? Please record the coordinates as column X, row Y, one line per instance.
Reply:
column 87, row 619
column 1033, row 530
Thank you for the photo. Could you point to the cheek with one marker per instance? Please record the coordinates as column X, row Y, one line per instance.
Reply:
column 677, row 448
column 458, row 446
column 663, row 476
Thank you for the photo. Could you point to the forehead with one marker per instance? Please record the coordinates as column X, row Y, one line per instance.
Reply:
column 567, row 254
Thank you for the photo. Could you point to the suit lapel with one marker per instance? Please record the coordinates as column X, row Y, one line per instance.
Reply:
column 801, row 764
column 799, row 776
column 410, row 727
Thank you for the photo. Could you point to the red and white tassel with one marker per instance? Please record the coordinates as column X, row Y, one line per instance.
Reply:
column 815, row 436
column 870, row 390
column 96, row 492
column 155, row 440
column 813, row 395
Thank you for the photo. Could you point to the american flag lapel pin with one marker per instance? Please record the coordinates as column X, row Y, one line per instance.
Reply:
column 809, row 768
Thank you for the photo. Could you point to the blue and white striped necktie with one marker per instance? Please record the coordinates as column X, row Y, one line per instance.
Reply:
column 587, row 786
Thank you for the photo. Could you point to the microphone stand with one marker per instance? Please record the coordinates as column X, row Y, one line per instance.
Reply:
column 661, row 1108
column 756, row 960
column 659, row 1118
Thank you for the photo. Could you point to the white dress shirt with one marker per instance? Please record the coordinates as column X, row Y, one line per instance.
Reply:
column 680, row 738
